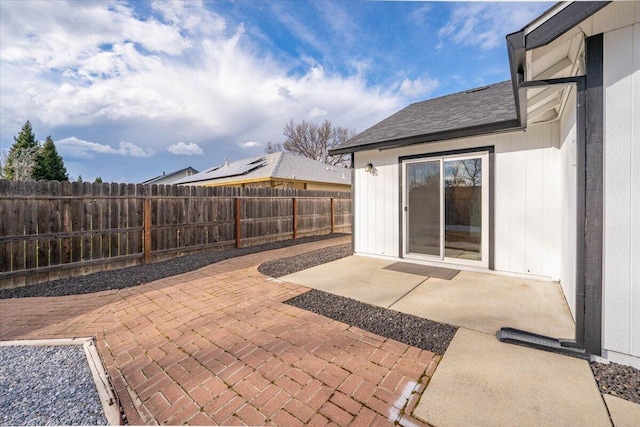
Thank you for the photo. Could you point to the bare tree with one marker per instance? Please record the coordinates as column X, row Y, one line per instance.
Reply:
column 473, row 170
column 314, row 141
column 25, row 160
column 273, row 148
column 3, row 162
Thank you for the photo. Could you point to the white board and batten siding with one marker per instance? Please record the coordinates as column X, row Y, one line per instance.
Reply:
column 621, row 275
column 529, row 204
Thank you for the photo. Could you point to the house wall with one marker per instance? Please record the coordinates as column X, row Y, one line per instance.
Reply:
column 530, row 207
column 621, row 275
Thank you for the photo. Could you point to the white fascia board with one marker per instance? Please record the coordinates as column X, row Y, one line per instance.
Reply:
column 545, row 17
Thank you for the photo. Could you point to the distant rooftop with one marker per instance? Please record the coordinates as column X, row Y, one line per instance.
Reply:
column 279, row 165
column 171, row 177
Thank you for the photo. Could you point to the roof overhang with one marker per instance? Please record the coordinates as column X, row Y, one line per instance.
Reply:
column 559, row 29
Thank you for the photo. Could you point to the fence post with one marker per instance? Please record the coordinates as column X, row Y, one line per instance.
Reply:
column 295, row 218
column 238, row 229
column 333, row 218
column 147, row 230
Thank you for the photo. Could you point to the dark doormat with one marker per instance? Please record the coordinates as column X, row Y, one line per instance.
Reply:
column 423, row 270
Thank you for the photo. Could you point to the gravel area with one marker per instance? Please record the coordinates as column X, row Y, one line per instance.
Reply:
column 140, row 274
column 284, row 266
column 47, row 386
column 412, row 330
column 617, row 380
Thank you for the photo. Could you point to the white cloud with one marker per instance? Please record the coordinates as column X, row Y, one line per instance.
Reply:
column 63, row 34
column 185, row 149
column 130, row 149
column 420, row 87
column 94, row 64
column 317, row 112
column 485, row 25
column 250, row 144
column 190, row 16
column 420, row 16
column 81, row 149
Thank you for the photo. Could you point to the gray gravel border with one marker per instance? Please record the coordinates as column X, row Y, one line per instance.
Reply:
column 618, row 380
column 47, row 385
column 282, row 267
column 406, row 328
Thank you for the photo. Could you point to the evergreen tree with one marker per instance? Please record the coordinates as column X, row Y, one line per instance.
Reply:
column 50, row 164
column 23, row 148
column 98, row 180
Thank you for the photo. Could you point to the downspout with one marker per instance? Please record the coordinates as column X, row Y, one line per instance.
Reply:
column 575, row 347
column 353, row 202
column 516, row 46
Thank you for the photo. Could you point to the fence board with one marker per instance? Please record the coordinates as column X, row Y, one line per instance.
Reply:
column 54, row 223
column 30, row 218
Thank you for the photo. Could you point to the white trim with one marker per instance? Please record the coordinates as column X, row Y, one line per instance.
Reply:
column 621, row 358
column 545, row 17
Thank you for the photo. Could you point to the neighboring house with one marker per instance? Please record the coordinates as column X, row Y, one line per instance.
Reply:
column 171, row 178
column 277, row 170
column 536, row 176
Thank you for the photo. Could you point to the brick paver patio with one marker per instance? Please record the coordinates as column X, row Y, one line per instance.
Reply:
column 217, row 346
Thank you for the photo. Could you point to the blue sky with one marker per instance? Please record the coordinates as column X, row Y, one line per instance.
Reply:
column 131, row 89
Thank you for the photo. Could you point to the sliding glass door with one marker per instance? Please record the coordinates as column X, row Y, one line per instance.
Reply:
column 424, row 190
column 446, row 209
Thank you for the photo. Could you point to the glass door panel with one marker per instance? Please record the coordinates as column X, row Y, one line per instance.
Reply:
column 423, row 209
column 463, row 209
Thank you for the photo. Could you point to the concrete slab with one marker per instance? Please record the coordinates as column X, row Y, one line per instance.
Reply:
column 483, row 382
column 358, row 277
column 486, row 302
column 623, row 413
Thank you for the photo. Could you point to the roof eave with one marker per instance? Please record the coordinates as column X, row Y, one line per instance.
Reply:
column 561, row 22
column 517, row 64
column 484, row 129
column 520, row 42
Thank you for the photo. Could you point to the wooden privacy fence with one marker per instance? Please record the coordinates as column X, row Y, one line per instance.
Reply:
column 50, row 230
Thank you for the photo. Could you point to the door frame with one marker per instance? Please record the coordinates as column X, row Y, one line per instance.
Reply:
column 488, row 180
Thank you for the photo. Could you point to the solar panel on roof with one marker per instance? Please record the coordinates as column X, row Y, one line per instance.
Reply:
column 235, row 169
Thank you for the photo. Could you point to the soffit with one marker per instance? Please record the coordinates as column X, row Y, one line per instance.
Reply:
column 564, row 57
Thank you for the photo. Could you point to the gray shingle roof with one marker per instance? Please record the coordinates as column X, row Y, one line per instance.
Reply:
column 476, row 110
column 276, row 166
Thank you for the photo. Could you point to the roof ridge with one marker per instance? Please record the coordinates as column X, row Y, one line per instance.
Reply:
column 465, row 91
column 278, row 162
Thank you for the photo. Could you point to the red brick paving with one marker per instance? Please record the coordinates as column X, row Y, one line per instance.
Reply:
column 217, row 346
